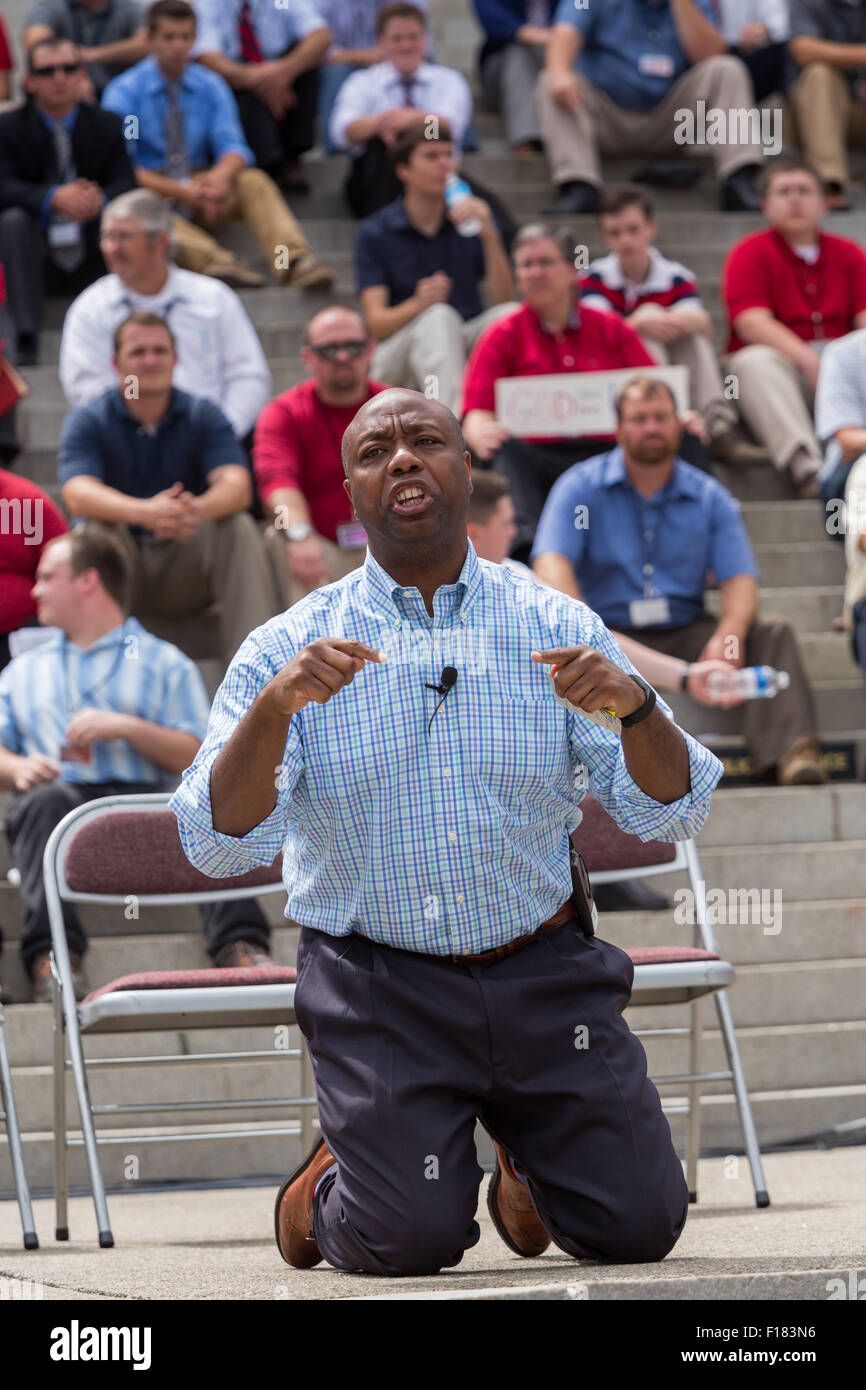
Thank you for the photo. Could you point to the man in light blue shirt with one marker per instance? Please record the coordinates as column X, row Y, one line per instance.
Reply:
column 638, row 534
column 101, row 708
column 642, row 75
column 425, row 831
column 269, row 54
column 185, row 141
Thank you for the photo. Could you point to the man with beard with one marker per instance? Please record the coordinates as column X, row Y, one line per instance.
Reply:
column 657, row 529
column 424, row 825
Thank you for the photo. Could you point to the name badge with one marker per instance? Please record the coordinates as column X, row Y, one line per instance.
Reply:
column 64, row 234
column 649, row 612
column 351, row 535
column 70, row 754
column 656, row 65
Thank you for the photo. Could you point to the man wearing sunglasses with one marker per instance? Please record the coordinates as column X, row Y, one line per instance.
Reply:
column 296, row 457
column 60, row 162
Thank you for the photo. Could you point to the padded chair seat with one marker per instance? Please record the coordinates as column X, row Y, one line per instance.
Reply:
column 198, row 979
column 669, row 955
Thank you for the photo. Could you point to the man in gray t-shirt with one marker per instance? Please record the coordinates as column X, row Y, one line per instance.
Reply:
column 110, row 33
column 827, row 52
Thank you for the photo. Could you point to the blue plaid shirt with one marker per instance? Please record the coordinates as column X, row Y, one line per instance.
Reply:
column 450, row 841
column 128, row 671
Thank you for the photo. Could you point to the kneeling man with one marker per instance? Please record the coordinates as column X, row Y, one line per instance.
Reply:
column 424, row 824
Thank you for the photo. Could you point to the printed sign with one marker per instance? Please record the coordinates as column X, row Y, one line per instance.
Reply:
column 570, row 405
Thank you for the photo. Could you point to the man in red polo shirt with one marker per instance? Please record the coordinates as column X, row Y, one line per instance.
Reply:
column 28, row 521
column 788, row 291
column 297, row 463
column 552, row 332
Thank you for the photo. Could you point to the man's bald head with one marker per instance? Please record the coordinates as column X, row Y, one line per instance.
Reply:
column 394, row 402
column 334, row 322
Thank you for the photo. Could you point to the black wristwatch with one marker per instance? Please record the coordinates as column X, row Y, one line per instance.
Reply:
column 646, row 708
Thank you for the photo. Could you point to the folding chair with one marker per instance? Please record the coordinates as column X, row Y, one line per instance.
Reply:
column 105, row 852
column 9, row 1115
column 667, row 975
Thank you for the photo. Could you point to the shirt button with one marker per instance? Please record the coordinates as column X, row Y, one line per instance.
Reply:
column 811, row 289
column 446, row 772
column 647, row 569
column 452, row 836
column 648, row 535
column 460, row 898
column 568, row 361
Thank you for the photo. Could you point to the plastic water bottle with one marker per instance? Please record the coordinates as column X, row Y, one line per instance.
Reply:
column 750, row 683
column 457, row 190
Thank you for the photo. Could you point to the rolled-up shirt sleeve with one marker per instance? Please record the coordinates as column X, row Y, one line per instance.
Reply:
column 208, row 849
column 601, row 752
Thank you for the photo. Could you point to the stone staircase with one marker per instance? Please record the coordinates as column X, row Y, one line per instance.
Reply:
column 799, row 998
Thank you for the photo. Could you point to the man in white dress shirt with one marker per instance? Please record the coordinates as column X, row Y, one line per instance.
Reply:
column 219, row 353
column 376, row 103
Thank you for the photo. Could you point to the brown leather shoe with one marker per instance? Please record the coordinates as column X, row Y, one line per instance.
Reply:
column 801, row 765
column 238, row 954
column 39, row 971
column 512, row 1210
column 293, row 1210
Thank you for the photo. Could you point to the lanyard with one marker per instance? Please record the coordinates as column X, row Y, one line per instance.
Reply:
column 86, row 694
column 640, row 505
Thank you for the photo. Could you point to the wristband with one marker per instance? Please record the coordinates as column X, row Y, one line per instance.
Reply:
column 646, row 708
column 684, row 678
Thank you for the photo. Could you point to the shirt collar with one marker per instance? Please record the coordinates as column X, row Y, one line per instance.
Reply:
column 68, row 120
column 383, row 591
column 615, row 275
column 128, row 628
column 155, row 80
column 171, row 290
column 118, row 405
column 789, row 251
column 682, row 483
column 573, row 317
column 420, row 75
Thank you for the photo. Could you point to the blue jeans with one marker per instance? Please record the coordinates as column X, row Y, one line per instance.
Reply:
column 331, row 78
column 858, row 637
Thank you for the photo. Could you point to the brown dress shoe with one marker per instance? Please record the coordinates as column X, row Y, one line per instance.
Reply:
column 801, row 765
column 293, row 1210
column 40, row 977
column 512, row 1210
column 239, row 954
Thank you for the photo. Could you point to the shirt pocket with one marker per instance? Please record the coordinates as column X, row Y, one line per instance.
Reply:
column 521, row 750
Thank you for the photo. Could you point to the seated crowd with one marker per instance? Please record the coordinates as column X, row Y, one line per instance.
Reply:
column 189, row 486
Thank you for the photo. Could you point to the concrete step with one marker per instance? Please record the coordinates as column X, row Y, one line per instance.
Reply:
column 784, row 523
column 809, row 872
column 248, row 1155
column 770, row 815
column 780, row 993
column 829, row 930
column 781, row 1117
column 786, row 1057
column 206, row 1086
column 840, row 705
column 786, row 564
column 807, row 609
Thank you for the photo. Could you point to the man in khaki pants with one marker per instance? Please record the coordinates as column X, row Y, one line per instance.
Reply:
column 165, row 469
column 645, row 70
column 185, row 141
column 827, row 102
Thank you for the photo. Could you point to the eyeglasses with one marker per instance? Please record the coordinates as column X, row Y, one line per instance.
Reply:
column 67, row 68
column 353, row 348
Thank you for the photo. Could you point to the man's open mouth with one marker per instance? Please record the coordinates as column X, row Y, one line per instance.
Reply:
column 411, row 498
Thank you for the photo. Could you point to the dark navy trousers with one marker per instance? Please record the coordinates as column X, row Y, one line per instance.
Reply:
column 408, row 1050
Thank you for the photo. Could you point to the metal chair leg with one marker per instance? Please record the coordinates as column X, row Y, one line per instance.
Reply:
column 76, row 1057
column 61, row 1150
column 747, row 1123
column 693, row 1139
column 13, row 1133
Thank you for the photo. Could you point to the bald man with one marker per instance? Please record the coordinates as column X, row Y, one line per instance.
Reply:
column 313, row 537
column 444, row 973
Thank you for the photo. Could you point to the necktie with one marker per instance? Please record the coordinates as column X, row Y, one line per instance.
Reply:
column 67, row 254
column 538, row 13
column 250, row 49
column 407, row 83
column 176, row 161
